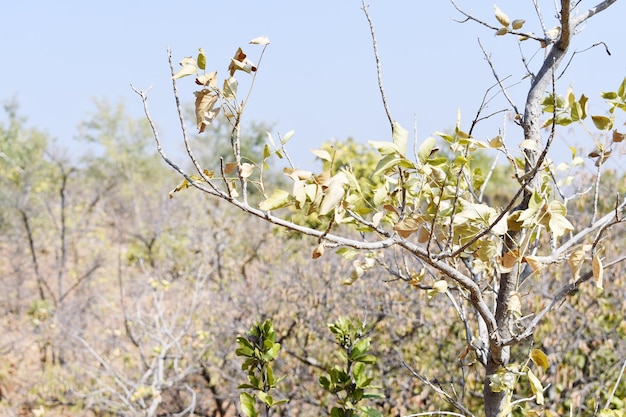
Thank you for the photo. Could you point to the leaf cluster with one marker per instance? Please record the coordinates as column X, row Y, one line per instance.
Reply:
column 351, row 382
column 259, row 349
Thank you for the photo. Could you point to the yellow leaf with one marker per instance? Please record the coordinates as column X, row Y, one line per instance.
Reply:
column 598, row 270
column 496, row 142
column 229, row 89
column 279, row 198
column 439, row 287
column 539, row 358
column 333, row 193
column 535, row 386
column 518, row 23
column 576, row 259
column 502, row 18
column 502, row 31
column 400, row 137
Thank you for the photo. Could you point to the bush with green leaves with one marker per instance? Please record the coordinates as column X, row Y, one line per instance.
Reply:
column 351, row 381
column 259, row 349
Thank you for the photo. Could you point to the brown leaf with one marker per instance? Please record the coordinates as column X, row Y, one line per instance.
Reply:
column 510, row 259
column 205, row 112
column 576, row 259
column 319, row 251
column 407, row 227
column 230, row 167
column 239, row 62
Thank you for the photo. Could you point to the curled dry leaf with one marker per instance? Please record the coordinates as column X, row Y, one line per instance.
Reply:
column 318, row 251
column 240, row 62
column 576, row 259
column 554, row 32
column 246, row 169
column 189, row 67
column 261, row 40
column 205, row 108
column 207, row 80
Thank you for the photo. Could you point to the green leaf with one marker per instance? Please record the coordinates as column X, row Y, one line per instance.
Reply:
column 602, row 122
column 201, row 59
column 247, row 404
column 360, row 348
column 337, row 412
column 583, row 106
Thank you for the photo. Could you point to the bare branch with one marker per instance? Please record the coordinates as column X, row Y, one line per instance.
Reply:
column 495, row 75
column 378, row 67
column 600, row 7
column 447, row 397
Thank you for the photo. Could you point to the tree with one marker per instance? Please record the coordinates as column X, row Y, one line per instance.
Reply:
column 425, row 217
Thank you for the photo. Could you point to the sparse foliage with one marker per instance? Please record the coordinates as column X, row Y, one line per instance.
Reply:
column 422, row 215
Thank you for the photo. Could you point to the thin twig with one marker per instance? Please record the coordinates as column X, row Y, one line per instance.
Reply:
column 447, row 397
column 378, row 66
column 495, row 75
column 619, row 377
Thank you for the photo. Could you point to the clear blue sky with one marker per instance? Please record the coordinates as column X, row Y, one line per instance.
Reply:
column 318, row 75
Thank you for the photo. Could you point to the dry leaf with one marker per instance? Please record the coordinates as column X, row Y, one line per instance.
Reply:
column 261, row 40
column 501, row 16
column 319, row 251
column 598, row 270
